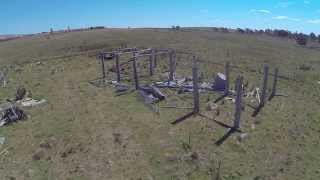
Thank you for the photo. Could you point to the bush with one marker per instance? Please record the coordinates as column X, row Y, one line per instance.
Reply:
column 302, row 39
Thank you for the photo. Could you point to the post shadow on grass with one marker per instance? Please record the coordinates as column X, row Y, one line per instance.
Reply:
column 274, row 84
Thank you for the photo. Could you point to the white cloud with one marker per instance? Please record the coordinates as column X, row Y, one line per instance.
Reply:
column 314, row 21
column 283, row 5
column 260, row 11
column 306, row 2
column 286, row 18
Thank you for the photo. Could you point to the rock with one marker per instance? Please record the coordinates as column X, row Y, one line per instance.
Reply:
column 117, row 138
column 20, row 94
column 38, row 154
column 192, row 156
column 18, row 69
column 2, row 140
column 171, row 157
column 68, row 151
column 45, row 145
column 242, row 137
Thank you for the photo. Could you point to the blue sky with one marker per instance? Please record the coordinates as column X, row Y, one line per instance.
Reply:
column 32, row 16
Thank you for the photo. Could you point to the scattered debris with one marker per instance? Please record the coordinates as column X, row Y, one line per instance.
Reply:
column 20, row 94
column 185, row 85
column 10, row 113
column 38, row 154
column 29, row 102
column 2, row 140
column 117, row 138
column 220, row 82
column 242, row 137
column 150, row 95
column 4, row 152
column 3, row 80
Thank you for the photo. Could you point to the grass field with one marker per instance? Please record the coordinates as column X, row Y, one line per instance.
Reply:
column 85, row 132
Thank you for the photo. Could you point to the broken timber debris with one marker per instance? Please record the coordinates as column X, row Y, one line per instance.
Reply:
column 10, row 113
column 3, row 81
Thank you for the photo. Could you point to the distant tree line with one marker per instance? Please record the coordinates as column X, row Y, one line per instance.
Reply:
column 301, row 38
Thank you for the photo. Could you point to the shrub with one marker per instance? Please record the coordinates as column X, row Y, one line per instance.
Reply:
column 302, row 39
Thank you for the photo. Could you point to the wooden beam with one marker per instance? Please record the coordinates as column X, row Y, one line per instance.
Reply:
column 237, row 115
column 151, row 61
column 103, row 67
column 195, row 79
column 135, row 72
column 117, row 67
column 155, row 60
column 264, row 85
column 227, row 68
column 171, row 65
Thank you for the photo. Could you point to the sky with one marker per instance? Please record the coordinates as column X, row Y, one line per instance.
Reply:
column 34, row 16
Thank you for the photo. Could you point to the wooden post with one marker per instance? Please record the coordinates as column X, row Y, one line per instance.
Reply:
column 195, row 80
column 117, row 67
column 226, row 89
column 103, row 66
column 155, row 63
column 264, row 85
column 135, row 73
column 172, row 65
column 151, row 60
column 237, row 115
column 274, row 85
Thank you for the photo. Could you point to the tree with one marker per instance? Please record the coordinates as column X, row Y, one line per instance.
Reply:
column 319, row 38
column 240, row 30
column 282, row 33
column 313, row 37
column 302, row 39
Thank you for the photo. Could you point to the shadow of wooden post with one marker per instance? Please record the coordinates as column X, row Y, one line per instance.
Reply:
column 274, row 84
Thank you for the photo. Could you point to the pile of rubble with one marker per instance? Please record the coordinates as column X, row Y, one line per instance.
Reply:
column 10, row 113
column 12, row 110
column 186, row 85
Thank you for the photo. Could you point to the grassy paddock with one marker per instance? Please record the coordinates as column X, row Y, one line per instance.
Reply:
column 95, row 135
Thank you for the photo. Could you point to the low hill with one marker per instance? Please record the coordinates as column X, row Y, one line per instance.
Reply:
column 85, row 132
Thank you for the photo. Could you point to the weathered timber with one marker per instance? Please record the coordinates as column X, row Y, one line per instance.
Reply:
column 195, row 80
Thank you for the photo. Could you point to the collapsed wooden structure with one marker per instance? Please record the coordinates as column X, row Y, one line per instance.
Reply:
column 150, row 94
